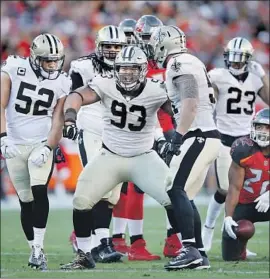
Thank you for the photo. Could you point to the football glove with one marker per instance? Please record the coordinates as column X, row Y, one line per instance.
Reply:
column 8, row 149
column 229, row 223
column 59, row 156
column 40, row 157
column 263, row 202
column 70, row 131
column 167, row 150
column 256, row 69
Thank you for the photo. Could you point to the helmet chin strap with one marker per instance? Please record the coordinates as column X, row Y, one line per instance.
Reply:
column 237, row 72
column 108, row 61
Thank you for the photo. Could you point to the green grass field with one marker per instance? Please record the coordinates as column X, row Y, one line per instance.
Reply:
column 15, row 252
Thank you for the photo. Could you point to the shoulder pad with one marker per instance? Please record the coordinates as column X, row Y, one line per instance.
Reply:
column 242, row 148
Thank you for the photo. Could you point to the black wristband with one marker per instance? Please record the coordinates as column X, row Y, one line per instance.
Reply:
column 70, row 115
column 3, row 134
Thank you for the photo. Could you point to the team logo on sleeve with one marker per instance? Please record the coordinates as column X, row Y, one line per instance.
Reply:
column 176, row 66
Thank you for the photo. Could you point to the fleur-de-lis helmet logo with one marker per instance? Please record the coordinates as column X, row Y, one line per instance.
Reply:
column 160, row 36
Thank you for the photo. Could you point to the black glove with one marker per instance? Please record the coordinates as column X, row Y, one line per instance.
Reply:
column 70, row 131
column 59, row 157
column 167, row 150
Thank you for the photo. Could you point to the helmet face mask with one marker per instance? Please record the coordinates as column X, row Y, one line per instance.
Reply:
column 238, row 51
column 130, row 69
column 109, row 51
column 47, row 56
column 260, row 129
column 109, row 41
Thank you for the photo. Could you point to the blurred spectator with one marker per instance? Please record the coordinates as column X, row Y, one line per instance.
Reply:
column 207, row 24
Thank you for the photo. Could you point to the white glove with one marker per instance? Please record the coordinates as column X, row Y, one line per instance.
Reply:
column 256, row 69
column 40, row 157
column 228, row 224
column 8, row 149
column 263, row 202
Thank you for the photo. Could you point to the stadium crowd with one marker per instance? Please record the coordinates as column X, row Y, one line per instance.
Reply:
column 208, row 25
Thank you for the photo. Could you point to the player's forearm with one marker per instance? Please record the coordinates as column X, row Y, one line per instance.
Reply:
column 232, row 199
column 55, row 134
column 73, row 101
column 187, row 115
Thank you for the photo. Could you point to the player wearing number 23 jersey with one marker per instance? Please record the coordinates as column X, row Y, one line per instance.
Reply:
column 131, row 102
column 237, row 86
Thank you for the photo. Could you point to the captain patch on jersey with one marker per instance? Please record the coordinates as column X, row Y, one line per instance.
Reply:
column 32, row 101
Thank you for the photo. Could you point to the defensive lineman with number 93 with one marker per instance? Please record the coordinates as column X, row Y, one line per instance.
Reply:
column 33, row 92
column 131, row 103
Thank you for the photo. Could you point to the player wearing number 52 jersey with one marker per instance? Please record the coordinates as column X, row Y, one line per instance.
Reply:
column 131, row 102
column 236, row 88
column 196, row 138
column 248, row 193
column 33, row 92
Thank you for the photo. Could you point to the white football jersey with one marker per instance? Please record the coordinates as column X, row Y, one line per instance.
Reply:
column 89, row 117
column 129, row 124
column 189, row 64
column 235, row 102
column 32, row 101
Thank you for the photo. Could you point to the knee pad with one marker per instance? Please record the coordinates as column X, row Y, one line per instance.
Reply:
column 25, row 195
column 39, row 192
column 82, row 203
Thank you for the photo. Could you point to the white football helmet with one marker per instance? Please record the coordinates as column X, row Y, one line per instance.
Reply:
column 47, row 47
column 109, row 35
column 167, row 40
column 238, row 50
column 130, row 68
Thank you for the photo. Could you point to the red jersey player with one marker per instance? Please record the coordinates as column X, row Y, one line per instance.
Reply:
column 248, row 194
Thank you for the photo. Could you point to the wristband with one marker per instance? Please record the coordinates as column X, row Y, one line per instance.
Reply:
column 70, row 115
column 3, row 135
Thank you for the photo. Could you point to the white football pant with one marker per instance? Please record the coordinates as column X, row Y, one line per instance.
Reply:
column 107, row 169
column 24, row 174
column 190, row 168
